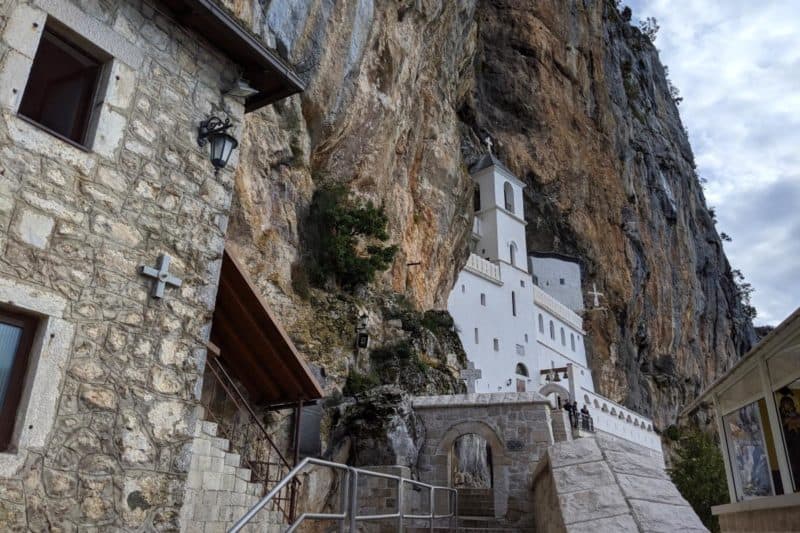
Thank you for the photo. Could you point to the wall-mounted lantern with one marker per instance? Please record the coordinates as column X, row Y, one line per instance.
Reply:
column 362, row 337
column 214, row 132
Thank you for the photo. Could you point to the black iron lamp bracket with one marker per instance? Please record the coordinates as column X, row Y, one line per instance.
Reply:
column 210, row 126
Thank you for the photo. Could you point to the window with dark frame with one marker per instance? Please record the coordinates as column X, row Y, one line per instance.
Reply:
column 62, row 86
column 16, row 338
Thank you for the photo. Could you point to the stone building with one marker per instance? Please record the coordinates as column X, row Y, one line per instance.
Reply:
column 103, row 187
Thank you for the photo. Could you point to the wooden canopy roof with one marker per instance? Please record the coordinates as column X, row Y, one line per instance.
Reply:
column 264, row 70
column 253, row 345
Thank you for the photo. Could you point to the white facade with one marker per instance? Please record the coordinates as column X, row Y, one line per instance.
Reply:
column 510, row 328
column 560, row 277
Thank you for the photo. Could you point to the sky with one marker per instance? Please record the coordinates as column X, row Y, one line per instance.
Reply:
column 737, row 66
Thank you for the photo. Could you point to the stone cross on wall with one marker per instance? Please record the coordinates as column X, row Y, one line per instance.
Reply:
column 595, row 294
column 489, row 143
column 470, row 375
column 161, row 275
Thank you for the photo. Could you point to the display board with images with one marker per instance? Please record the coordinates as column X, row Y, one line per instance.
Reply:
column 787, row 400
column 749, row 463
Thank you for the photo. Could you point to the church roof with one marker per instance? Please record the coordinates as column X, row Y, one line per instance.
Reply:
column 555, row 255
column 489, row 160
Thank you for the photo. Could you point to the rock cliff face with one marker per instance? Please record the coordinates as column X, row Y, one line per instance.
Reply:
column 576, row 100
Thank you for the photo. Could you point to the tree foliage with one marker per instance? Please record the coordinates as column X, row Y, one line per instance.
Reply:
column 649, row 28
column 745, row 291
column 699, row 474
column 346, row 238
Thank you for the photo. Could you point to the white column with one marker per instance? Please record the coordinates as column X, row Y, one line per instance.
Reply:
column 775, row 426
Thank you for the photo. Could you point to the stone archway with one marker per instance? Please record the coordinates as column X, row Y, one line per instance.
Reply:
column 500, row 459
column 552, row 388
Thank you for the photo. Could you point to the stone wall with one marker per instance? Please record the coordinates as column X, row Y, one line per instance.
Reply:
column 603, row 483
column 76, row 225
column 517, row 427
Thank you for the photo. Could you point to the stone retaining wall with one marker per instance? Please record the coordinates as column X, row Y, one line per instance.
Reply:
column 603, row 483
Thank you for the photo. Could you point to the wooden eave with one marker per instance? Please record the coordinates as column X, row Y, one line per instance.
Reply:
column 254, row 346
column 264, row 70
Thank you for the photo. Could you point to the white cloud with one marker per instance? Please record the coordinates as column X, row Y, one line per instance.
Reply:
column 737, row 65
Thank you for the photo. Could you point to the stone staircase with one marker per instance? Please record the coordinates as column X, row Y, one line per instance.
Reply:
column 476, row 524
column 219, row 491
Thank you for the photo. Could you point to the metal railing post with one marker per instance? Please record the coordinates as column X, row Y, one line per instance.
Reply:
column 344, row 487
column 432, row 509
column 353, row 500
column 400, row 504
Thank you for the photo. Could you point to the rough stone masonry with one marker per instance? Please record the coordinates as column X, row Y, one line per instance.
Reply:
column 112, row 403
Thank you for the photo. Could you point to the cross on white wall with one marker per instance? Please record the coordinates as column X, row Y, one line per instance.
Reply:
column 470, row 375
column 489, row 143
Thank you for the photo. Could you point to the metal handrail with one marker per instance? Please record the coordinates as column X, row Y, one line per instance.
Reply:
column 349, row 505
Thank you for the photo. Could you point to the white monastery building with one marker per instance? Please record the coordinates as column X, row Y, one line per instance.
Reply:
column 516, row 311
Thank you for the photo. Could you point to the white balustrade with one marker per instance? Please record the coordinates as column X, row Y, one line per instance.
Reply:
column 556, row 308
column 483, row 267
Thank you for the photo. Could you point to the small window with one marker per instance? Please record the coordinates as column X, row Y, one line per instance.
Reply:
column 496, row 343
column 552, row 330
column 522, row 283
column 476, row 336
column 526, row 337
column 560, row 281
column 572, row 341
column 520, row 350
column 62, row 87
column 476, row 198
column 512, row 254
column 563, row 338
column 16, row 338
column 541, row 324
column 483, row 299
column 536, row 280
column 463, row 288
column 508, row 196
column 513, row 303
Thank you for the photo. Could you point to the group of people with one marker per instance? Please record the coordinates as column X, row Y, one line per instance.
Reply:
column 572, row 409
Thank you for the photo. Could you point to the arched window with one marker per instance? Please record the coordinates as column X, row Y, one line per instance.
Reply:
column 572, row 341
column 563, row 338
column 512, row 253
column 522, row 370
column 476, row 198
column 552, row 330
column 541, row 324
column 508, row 195
column 513, row 303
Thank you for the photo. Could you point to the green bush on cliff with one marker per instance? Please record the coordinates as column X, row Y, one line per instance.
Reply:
column 699, row 474
column 345, row 237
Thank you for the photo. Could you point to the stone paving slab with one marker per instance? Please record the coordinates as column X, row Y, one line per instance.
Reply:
column 577, row 451
column 665, row 518
column 616, row 524
column 583, row 476
column 644, row 488
column 592, row 504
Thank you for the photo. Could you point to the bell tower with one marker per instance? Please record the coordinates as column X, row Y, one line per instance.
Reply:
column 500, row 226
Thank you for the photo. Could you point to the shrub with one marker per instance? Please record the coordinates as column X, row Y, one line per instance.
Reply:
column 699, row 474
column 345, row 238
column 357, row 383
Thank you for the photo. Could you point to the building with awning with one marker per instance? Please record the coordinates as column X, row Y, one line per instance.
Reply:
column 757, row 408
